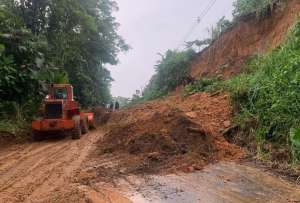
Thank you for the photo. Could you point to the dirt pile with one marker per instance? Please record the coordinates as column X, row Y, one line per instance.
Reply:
column 166, row 135
column 101, row 115
column 226, row 56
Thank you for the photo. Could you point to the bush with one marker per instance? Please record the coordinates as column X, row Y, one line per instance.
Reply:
column 270, row 95
column 61, row 41
column 171, row 71
column 295, row 143
column 203, row 85
column 14, row 118
column 260, row 7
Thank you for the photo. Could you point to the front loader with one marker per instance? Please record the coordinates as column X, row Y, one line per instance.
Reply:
column 62, row 114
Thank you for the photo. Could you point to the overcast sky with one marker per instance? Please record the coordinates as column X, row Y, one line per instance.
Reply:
column 154, row 26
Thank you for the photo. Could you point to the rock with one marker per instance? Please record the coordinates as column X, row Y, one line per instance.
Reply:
column 164, row 131
column 154, row 156
column 197, row 168
column 227, row 124
column 190, row 169
column 196, row 130
column 191, row 114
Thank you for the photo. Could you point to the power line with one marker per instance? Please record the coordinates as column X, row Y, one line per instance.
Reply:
column 199, row 19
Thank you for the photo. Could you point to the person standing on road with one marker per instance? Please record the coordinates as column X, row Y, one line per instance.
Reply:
column 117, row 105
column 111, row 106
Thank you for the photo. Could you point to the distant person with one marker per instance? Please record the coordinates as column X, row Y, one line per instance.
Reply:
column 111, row 106
column 117, row 105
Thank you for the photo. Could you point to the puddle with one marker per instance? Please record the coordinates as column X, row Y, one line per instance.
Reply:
column 220, row 183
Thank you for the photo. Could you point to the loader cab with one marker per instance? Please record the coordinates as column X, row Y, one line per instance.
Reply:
column 60, row 92
column 59, row 103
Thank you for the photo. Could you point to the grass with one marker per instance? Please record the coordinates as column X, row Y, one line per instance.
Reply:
column 15, row 120
column 270, row 95
column 14, row 128
column 203, row 85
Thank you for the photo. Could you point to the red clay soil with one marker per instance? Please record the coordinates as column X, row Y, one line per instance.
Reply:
column 168, row 135
column 227, row 55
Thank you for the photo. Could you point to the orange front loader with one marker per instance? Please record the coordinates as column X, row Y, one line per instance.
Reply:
column 62, row 114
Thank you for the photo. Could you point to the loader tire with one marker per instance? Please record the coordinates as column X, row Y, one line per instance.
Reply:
column 76, row 132
column 92, row 124
column 84, row 126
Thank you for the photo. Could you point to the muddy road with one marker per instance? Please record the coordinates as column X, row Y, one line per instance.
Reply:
column 168, row 150
column 51, row 171
column 220, row 183
column 45, row 171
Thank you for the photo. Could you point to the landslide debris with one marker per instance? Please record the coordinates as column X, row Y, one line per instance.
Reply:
column 165, row 136
column 101, row 115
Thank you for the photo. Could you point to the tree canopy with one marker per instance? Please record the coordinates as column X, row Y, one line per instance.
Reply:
column 57, row 40
column 260, row 7
column 171, row 71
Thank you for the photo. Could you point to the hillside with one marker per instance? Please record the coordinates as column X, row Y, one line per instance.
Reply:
column 227, row 54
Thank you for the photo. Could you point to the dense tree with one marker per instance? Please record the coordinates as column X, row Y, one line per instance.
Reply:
column 260, row 7
column 42, row 38
column 20, row 58
column 171, row 71
column 54, row 41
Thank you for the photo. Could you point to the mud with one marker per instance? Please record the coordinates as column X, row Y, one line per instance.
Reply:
column 66, row 171
column 168, row 150
column 44, row 172
column 222, row 182
column 171, row 135
column 101, row 115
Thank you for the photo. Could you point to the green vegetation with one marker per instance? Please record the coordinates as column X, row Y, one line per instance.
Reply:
column 203, row 85
column 270, row 95
column 215, row 32
column 295, row 143
column 55, row 41
column 123, row 101
column 171, row 71
column 260, row 7
column 244, row 7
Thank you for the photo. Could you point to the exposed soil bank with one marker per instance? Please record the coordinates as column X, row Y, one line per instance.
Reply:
column 227, row 55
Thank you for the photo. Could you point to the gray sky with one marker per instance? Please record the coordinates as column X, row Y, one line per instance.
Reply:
column 154, row 26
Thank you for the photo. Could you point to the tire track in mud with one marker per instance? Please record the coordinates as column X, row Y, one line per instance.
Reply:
column 25, row 163
column 28, row 173
column 28, row 168
column 21, row 154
